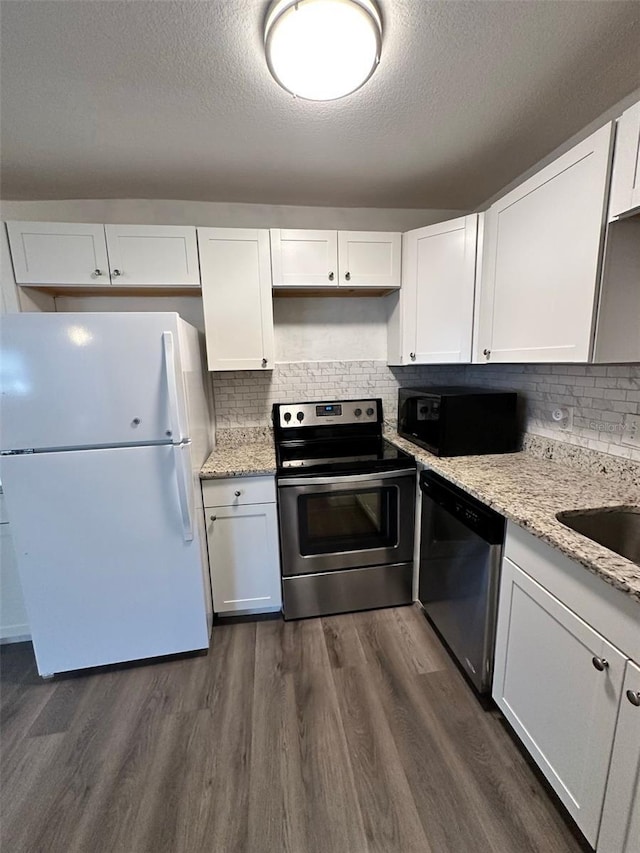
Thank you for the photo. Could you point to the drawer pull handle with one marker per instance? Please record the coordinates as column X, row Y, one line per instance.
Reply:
column 213, row 517
column 634, row 697
column 237, row 493
column 600, row 663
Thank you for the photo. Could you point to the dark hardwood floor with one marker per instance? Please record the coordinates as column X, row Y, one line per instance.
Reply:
column 348, row 734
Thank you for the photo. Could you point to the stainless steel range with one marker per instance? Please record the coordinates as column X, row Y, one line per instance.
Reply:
column 346, row 500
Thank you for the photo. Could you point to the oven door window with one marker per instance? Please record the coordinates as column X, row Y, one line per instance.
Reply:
column 350, row 520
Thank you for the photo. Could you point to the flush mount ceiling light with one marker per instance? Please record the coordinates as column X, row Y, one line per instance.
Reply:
column 322, row 49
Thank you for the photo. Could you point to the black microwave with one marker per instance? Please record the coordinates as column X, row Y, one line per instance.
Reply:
column 459, row 421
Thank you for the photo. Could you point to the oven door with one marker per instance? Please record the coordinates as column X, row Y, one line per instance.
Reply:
column 333, row 523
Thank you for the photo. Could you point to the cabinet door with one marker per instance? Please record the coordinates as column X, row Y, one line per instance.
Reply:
column 14, row 623
column 547, row 685
column 441, row 262
column 620, row 829
column 369, row 258
column 542, row 257
column 58, row 253
column 303, row 258
column 625, row 182
column 236, row 294
column 153, row 255
column 244, row 558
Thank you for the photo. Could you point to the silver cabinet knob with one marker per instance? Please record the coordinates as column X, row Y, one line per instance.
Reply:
column 347, row 276
column 600, row 663
column 237, row 493
column 634, row 697
column 116, row 273
column 412, row 356
column 330, row 276
column 264, row 362
column 213, row 517
column 97, row 273
column 486, row 353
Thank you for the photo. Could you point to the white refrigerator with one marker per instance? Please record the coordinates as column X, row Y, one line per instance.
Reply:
column 104, row 425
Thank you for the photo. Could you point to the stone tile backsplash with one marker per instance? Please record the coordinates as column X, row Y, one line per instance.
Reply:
column 599, row 402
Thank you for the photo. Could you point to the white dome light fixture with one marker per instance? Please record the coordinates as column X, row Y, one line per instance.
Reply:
column 321, row 50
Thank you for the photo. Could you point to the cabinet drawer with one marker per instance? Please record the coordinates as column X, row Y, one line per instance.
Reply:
column 238, row 491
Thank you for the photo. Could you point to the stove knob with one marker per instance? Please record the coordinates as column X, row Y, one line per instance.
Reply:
column 369, row 411
column 287, row 416
column 300, row 416
column 357, row 412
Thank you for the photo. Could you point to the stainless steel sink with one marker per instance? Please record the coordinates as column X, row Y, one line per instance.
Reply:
column 616, row 527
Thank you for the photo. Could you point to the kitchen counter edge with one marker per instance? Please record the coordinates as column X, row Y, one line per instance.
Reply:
column 529, row 490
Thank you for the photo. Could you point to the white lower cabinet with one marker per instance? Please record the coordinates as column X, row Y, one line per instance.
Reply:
column 547, row 685
column 14, row 624
column 244, row 557
column 561, row 685
column 620, row 829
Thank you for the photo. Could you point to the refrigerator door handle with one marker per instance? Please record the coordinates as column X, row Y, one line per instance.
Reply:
column 182, row 478
column 172, row 385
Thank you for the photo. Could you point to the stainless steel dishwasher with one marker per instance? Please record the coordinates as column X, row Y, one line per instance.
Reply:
column 460, row 553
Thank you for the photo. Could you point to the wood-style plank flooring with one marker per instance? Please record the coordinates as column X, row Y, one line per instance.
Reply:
column 347, row 734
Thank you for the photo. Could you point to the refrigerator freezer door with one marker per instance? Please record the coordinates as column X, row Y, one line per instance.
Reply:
column 107, row 572
column 91, row 380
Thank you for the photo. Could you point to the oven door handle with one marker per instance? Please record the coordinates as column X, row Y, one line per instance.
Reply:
column 346, row 478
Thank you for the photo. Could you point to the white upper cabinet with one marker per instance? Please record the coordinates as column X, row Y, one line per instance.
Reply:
column 625, row 182
column 542, row 252
column 236, row 294
column 433, row 318
column 153, row 255
column 75, row 254
column 333, row 259
column 302, row 258
column 58, row 253
column 369, row 258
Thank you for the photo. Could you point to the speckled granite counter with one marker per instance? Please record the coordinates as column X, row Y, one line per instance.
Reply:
column 530, row 490
column 525, row 487
column 241, row 453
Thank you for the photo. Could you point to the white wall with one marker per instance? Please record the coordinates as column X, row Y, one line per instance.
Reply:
column 189, row 307
column 330, row 329
column 169, row 212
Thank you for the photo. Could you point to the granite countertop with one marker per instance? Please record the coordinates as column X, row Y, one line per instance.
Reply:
column 530, row 490
column 241, row 453
column 524, row 487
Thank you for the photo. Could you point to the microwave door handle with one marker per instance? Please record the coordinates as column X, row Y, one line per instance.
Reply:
column 172, row 385
column 182, row 482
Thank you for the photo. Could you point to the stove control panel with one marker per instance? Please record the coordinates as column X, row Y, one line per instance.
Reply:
column 323, row 414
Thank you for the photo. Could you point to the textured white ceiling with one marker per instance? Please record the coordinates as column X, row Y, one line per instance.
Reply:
column 164, row 99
